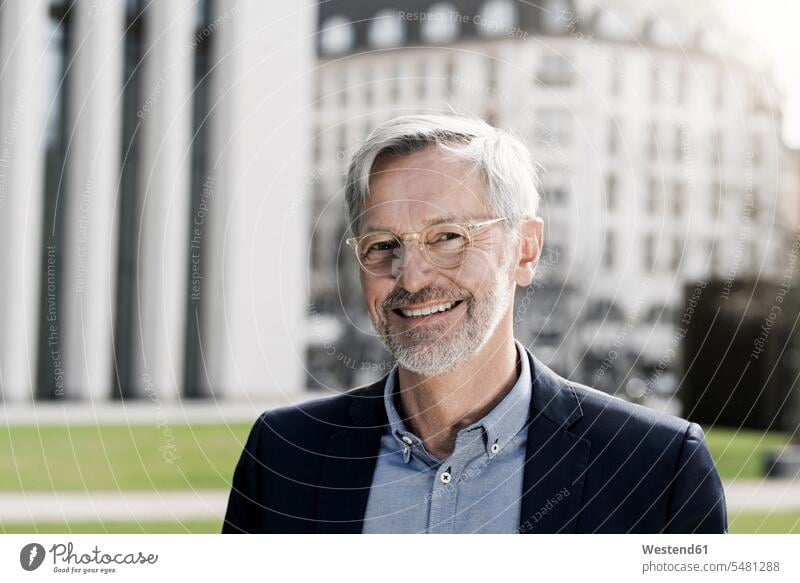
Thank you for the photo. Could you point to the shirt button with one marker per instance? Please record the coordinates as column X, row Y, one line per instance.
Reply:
column 445, row 477
column 495, row 447
column 407, row 440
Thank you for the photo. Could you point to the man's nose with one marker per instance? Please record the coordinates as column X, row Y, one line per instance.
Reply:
column 412, row 269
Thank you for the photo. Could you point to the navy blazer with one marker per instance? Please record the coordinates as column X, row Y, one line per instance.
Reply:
column 594, row 463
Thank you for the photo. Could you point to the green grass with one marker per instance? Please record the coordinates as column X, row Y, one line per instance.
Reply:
column 745, row 523
column 119, row 457
column 185, row 457
column 739, row 455
column 774, row 523
column 186, row 527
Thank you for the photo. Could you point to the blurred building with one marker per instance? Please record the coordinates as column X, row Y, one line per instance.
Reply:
column 790, row 186
column 163, row 235
column 152, row 227
column 659, row 134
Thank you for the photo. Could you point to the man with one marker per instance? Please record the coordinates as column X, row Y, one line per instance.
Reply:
column 469, row 432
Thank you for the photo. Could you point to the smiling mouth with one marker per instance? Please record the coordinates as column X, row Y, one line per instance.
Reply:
column 427, row 311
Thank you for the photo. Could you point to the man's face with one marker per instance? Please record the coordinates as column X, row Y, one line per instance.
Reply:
column 408, row 193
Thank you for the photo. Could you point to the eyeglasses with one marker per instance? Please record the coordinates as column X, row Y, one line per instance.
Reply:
column 444, row 245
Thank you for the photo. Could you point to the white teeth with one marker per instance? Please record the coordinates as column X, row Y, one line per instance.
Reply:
column 427, row 311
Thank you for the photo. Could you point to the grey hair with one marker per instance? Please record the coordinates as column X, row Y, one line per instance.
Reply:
column 505, row 163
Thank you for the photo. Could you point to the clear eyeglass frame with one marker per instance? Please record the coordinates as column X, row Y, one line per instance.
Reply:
column 384, row 268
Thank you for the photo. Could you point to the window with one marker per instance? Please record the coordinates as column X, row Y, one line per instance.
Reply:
column 660, row 33
column 336, row 35
column 394, row 84
column 604, row 310
column 612, row 24
column 715, row 147
column 342, row 88
column 613, row 136
column 317, row 81
column 681, row 143
column 318, row 246
column 341, row 138
column 386, row 30
column 616, row 77
column 716, row 196
column 491, row 74
column 655, row 196
column 677, row 251
column 555, row 71
column 719, row 99
column 682, row 85
column 556, row 194
column 611, row 192
column 441, row 23
column 653, row 142
column 754, row 256
column 449, row 75
column 713, row 256
column 661, row 313
column 368, row 85
column 756, row 209
column 557, row 17
column 608, row 250
column 649, row 252
column 497, row 18
column 678, row 196
column 709, row 39
column 421, row 80
column 553, row 127
column 316, row 146
column 552, row 254
column 757, row 147
column 655, row 82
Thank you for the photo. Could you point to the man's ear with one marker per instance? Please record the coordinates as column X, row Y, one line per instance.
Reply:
column 529, row 245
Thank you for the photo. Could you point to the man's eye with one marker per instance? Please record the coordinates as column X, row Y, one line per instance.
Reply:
column 382, row 246
column 447, row 236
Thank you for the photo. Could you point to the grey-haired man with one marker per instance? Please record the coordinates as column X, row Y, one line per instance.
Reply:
column 469, row 432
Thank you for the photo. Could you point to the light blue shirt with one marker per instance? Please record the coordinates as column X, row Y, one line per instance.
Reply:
column 477, row 489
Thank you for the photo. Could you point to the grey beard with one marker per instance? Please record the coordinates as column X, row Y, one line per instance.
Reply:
column 434, row 351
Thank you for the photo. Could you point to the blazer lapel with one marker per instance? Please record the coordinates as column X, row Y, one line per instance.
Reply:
column 350, row 464
column 555, row 460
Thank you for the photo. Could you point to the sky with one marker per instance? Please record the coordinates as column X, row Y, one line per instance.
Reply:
column 775, row 25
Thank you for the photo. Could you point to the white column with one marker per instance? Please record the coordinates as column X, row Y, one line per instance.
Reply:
column 163, row 249
column 253, row 328
column 93, row 166
column 22, row 90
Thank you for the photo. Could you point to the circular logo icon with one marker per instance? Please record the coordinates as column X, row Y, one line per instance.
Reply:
column 31, row 556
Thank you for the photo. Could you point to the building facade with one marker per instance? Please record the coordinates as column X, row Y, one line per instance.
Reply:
column 171, row 175
column 659, row 139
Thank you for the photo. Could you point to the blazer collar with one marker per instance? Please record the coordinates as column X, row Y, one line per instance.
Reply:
column 555, row 459
column 350, row 462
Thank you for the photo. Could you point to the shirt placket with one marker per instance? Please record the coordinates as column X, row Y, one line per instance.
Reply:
column 446, row 484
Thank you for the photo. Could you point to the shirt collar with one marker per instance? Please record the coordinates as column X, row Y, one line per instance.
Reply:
column 500, row 425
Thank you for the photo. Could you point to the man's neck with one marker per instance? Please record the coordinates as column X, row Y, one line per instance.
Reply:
column 437, row 408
